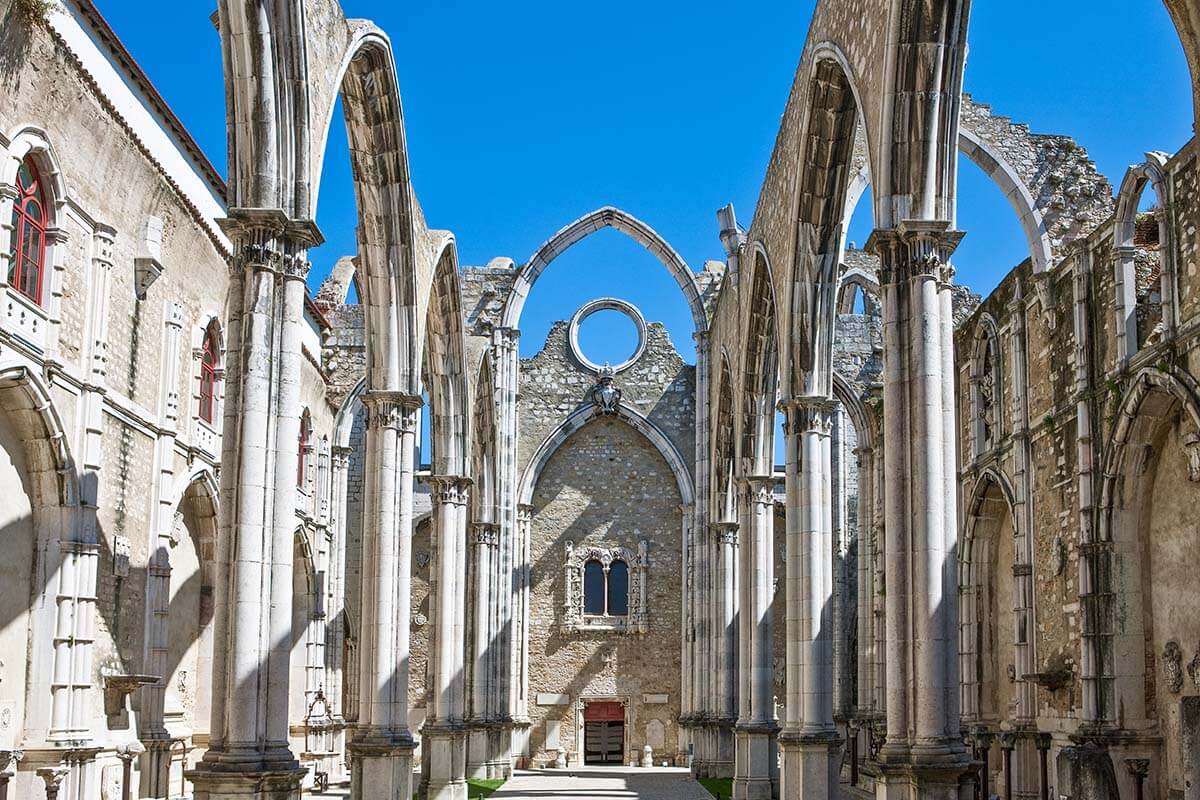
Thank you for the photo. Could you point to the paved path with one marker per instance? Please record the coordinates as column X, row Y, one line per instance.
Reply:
column 602, row 782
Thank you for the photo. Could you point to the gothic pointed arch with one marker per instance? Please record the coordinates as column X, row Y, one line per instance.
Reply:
column 724, row 447
column 581, row 417
column 825, row 172
column 585, row 226
column 484, row 440
column 443, row 367
column 759, row 389
column 1147, row 308
column 1158, row 417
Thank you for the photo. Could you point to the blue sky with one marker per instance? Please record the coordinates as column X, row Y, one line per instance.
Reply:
column 523, row 116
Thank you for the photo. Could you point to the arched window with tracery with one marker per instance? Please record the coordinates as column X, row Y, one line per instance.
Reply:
column 27, row 248
column 593, row 588
column 210, row 356
column 617, row 598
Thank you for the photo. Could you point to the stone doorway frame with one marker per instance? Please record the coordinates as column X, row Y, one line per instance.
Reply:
column 580, row 704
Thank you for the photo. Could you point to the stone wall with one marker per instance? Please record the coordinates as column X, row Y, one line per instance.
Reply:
column 606, row 486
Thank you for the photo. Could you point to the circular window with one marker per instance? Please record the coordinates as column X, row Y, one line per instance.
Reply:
column 604, row 337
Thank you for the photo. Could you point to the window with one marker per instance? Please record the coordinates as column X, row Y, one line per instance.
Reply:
column 606, row 592
column 593, row 588
column 606, row 589
column 27, row 250
column 618, row 589
column 302, row 459
column 208, row 375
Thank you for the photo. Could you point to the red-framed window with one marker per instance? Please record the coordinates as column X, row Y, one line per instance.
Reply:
column 305, row 435
column 208, row 375
column 27, row 249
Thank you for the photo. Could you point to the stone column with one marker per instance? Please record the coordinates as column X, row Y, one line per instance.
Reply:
column 382, row 748
column 156, row 761
column 444, row 733
column 924, row 753
column 809, row 742
column 698, row 638
column 726, row 647
column 482, row 737
column 510, row 655
column 756, row 728
column 340, row 465
column 248, row 755
column 865, row 701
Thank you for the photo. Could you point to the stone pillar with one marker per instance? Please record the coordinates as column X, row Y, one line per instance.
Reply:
column 865, row 701
column 382, row 748
column 726, row 646
column 924, row 754
column 510, row 553
column 444, row 736
column 340, row 466
column 809, row 742
column 482, row 737
column 698, row 639
column 248, row 755
column 756, row 728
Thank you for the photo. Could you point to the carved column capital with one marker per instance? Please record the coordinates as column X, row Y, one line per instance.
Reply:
column 809, row 415
column 394, row 410
column 915, row 249
column 725, row 532
column 524, row 513
column 485, row 534
column 267, row 239
column 758, row 489
column 450, row 490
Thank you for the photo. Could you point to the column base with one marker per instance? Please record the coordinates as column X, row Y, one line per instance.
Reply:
column 811, row 765
column 446, row 754
column 381, row 768
column 723, row 755
column 755, row 771
column 489, row 750
column 208, row 784
column 948, row 779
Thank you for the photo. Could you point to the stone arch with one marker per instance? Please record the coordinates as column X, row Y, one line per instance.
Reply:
column 844, row 393
column 991, row 500
column 759, row 390
column 724, row 447
column 857, row 279
column 1002, row 172
column 386, row 263
column 1155, row 404
column 1150, row 173
column 1186, row 17
column 579, row 418
column 585, row 226
column 444, row 370
column 832, row 124
column 53, row 478
column 484, row 436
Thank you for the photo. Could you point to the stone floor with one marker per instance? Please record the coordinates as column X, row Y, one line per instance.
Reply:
column 602, row 782
column 605, row 783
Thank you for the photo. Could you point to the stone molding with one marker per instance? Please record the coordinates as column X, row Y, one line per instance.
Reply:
column 574, row 618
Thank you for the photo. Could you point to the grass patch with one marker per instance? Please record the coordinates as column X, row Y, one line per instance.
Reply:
column 484, row 787
column 718, row 787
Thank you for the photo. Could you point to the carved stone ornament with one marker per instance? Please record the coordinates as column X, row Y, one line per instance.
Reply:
column 419, row 620
column 1172, row 671
column 422, row 559
column 604, row 395
column 1059, row 556
column 637, row 619
column 1191, row 447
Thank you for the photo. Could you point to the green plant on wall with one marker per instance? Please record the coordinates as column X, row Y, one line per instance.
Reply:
column 32, row 12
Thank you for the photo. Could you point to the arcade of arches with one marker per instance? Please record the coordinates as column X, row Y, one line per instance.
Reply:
column 231, row 570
